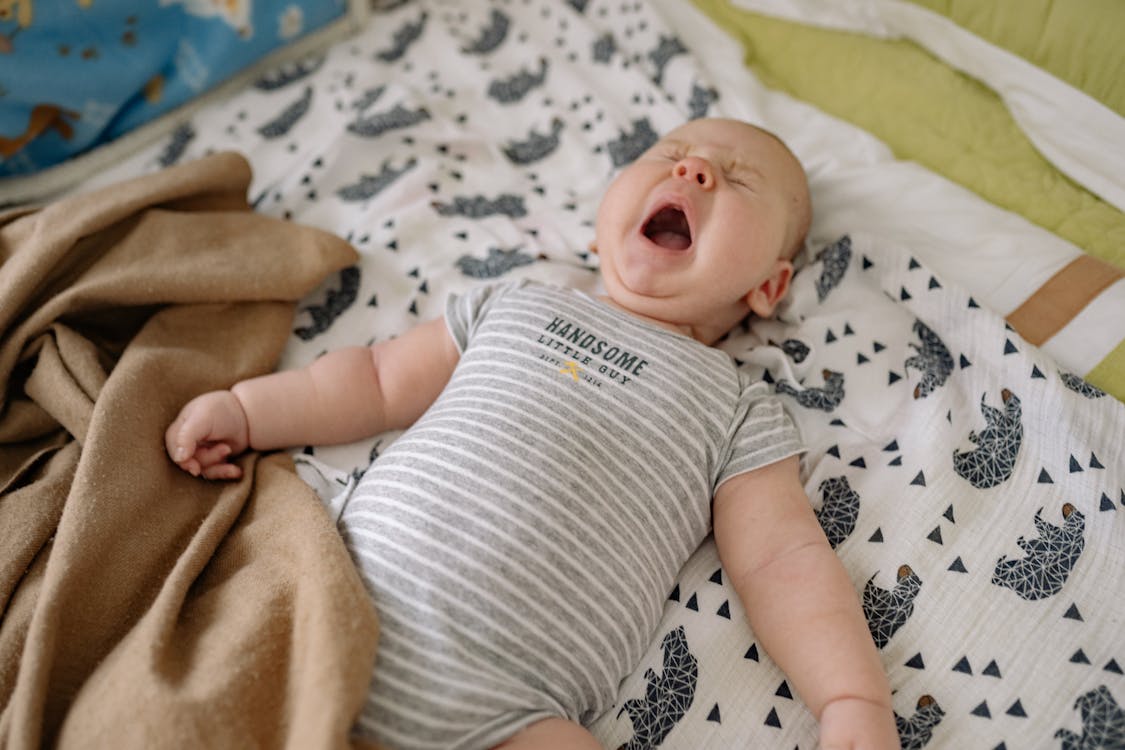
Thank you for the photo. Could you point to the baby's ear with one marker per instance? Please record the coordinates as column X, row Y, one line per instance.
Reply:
column 763, row 298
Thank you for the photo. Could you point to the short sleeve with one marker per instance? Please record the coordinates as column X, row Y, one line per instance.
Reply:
column 463, row 312
column 761, row 434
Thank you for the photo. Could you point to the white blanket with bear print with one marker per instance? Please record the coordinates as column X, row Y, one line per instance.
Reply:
column 971, row 485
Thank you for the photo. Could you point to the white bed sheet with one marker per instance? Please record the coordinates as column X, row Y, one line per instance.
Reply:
column 458, row 142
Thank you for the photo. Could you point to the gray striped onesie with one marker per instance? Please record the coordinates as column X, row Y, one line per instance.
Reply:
column 520, row 540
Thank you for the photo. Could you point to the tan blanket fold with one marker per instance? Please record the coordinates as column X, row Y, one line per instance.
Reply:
column 142, row 607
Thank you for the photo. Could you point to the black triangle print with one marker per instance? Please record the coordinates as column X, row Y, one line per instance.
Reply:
column 963, row 666
column 992, row 670
column 965, row 362
column 783, row 690
column 935, row 535
column 752, row 652
column 837, row 422
column 877, row 537
column 973, row 303
column 425, row 288
column 867, row 263
column 1037, row 373
column 1113, row 666
column 1009, row 347
column 916, row 662
column 675, row 595
column 1016, row 710
column 830, row 337
column 766, row 376
column 919, row 479
column 693, row 603
column 861, row 358
column 893, row 377
column 373, row 302
column 957, row 566
column 461, row 235
column 982, row 710
column 1106, row 503
column 413, row 273
column 834, row 451
column 1095, row 463
column 934, row 283
column 903, row 294
column 896, row 461
column 859, row 463
column 717, row 576
column 848, row 329
column 949, row 514
column 724, row 609
column 891, row 446
column 1079, row 657
column 914, row 264
column 1075, row 467
column 877, row 346
column 1001, row 746
column 772, row 720
column 1045, row 478
column 1072, row 613
column 714, row 715
column 393, row 245
column 414, row 307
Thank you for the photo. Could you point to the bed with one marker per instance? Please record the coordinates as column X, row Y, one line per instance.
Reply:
column 952, row 351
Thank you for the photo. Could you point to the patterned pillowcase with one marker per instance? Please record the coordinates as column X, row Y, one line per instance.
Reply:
column 84, row 74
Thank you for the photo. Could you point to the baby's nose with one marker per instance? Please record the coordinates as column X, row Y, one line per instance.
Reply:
column 695, row 169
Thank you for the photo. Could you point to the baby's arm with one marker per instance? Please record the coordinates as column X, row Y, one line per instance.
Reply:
column 802, row 605
column 343, row 396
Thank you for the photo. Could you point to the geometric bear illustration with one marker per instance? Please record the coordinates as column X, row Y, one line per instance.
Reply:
column 994, row 458
column 932, row 360
column 668, row 695
column 915, row 732
column 1080, row 386
column 336, row 302
column 825, row 399
column 840, row 510
column 1047, row 560
column 887, row 611
column 795, row 349
column 498, row 263
column 835, row 258
column 1103, row 723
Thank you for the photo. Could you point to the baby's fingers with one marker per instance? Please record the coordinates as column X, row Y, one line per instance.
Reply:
column 209, row 454
column 223, row 471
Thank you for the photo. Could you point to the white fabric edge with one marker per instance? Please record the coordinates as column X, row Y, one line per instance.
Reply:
column 1093, row 333
column 57, row 180
column 1075, row 132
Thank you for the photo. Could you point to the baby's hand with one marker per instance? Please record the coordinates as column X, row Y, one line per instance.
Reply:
column 209, row 430
column 857, row 724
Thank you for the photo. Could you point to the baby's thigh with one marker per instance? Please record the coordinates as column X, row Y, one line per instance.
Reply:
column 551, row 734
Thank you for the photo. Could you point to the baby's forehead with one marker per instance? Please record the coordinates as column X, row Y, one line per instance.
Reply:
column 732, row 136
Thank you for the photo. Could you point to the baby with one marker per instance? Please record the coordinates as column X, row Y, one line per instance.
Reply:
column 566, row 456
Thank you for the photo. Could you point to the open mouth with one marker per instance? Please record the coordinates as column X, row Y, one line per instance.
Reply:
column 668, row 228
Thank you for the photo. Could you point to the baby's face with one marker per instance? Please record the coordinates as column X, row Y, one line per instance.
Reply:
column 696, row 231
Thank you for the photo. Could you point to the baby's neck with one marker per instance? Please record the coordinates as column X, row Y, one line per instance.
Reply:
column 702, row 334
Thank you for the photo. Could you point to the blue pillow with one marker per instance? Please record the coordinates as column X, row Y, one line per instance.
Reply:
column 78, row 73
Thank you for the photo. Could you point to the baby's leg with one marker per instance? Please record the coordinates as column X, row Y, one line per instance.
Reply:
column 551, row 734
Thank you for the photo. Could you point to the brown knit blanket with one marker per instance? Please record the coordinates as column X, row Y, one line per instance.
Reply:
column 140, row 607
